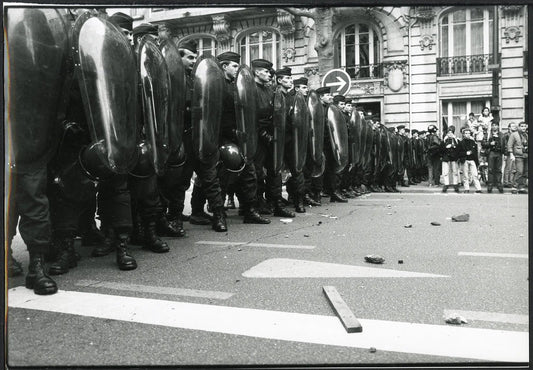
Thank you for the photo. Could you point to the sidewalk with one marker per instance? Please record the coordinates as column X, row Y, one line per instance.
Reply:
column 424, row 187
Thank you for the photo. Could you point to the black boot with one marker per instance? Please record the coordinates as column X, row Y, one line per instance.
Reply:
column 66, row 259
column 456, row 188
column 125, row 261
column 168, row 227
column 92, row 237
column 281, row 211
column 137, row 232
column 151, row 240
column 445, row 188
column 37, row 279
column 251, row 216
column 337, row 197
column 310, row 201
column 263, row 207
column 107, row 246
column 14, row 267
column 317, row 198
column 200, row 218
column 299, row 206
column 219, row 220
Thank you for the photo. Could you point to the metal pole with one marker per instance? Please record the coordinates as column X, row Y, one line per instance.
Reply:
column 495, row 101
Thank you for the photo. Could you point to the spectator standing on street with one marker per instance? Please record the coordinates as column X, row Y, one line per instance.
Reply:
column 449, row 161
column 493, row 146
column 517, row 146
column 509, row 166
column 468, row 157
column 433, row 155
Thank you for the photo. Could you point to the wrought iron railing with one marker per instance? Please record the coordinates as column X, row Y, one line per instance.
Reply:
column 369, row 71
column 464, row 64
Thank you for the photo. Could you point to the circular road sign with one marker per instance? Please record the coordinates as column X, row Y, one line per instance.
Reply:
column 339, row 81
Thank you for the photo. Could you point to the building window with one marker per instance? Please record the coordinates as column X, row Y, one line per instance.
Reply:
column 455, row 112
column 465, row 41
column 137, row 13
column 207, row 46
column 261, row 44
column 358, row 51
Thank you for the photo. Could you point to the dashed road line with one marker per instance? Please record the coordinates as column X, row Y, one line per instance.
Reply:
column 490, row 316
column 154, row 289
column 405, row 337
column 503, row 255
column 263, row 245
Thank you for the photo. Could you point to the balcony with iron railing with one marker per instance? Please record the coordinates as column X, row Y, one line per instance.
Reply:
column 464, row 64
column 363, row 72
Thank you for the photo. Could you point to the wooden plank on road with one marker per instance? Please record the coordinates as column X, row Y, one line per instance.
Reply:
column 351, row 324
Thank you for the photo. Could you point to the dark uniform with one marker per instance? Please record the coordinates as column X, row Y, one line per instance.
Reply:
column 269, row 184
column 494, row 146
column 245, row 181
column 145, row 201
column 433, row 156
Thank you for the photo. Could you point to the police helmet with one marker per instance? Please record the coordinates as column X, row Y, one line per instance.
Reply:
column 144, row 167
column 91, row 163
column 231, row 157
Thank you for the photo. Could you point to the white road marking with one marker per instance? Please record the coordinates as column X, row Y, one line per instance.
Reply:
column 490, row 316
column 291, row 268
column 228, row 244
column 504, row 255
column 380, row 199
column 435, row 340
column 154, row 289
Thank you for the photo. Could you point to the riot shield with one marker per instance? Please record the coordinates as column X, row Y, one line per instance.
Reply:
column 279, row 122
column 155, row 94
column 356, row 142
column 338, row 133
column 369, row 144
column 37, row 49
column 246, row 111
column 206, row 107
column 316, row 133
column 108, row 84
column 178, row 90
column 300, row 132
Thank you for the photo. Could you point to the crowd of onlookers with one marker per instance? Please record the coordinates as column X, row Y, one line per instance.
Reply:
column 481, row 152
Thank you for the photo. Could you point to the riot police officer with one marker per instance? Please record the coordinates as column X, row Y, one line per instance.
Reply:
column 233, row 162
column 265, row 148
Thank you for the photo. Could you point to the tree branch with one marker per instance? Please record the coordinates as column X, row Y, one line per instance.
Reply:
column 300, row 12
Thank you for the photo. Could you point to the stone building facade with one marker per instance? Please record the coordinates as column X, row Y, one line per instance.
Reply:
column 408, row 65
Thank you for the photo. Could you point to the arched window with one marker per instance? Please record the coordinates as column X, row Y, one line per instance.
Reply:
column 260, row 44
column 358, row 51
column 207, row 46
column 465, row 41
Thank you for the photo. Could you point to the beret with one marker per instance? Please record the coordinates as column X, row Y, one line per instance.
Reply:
column 300, row 81
column 414, row 131
column 261, row 63
column 145, row 28
column 189, row 45
column 323, row 90
column 285, row 71
column 122, row 20
column 400, row 127
column 229, row 56
column 338, row 98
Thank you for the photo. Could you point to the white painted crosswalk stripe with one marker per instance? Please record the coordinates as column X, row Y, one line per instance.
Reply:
column 489, row 316
column 484, row 254
column 292, row 268
column 436, row 340
column 245, row 244
column 154, row 289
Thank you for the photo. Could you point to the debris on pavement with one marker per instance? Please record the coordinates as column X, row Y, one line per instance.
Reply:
column 306, row 235
column 372, row 349
column 333, row 217
column 400, row 261
column 319, row 223
column 374, row 258
column 408, row 226
column 455, row 320
column 461, row 218
column 285, row 220
column 435, row 223
column 389, row 213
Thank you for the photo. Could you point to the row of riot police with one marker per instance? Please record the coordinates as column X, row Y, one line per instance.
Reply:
column 112, row 120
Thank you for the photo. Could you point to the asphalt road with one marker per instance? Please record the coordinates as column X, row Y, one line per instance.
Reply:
column 255, row 295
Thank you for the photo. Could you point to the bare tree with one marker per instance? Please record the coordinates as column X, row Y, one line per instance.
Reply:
column 323, row 18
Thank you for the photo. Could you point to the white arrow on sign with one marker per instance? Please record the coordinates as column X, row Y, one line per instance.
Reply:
column 341, row 83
